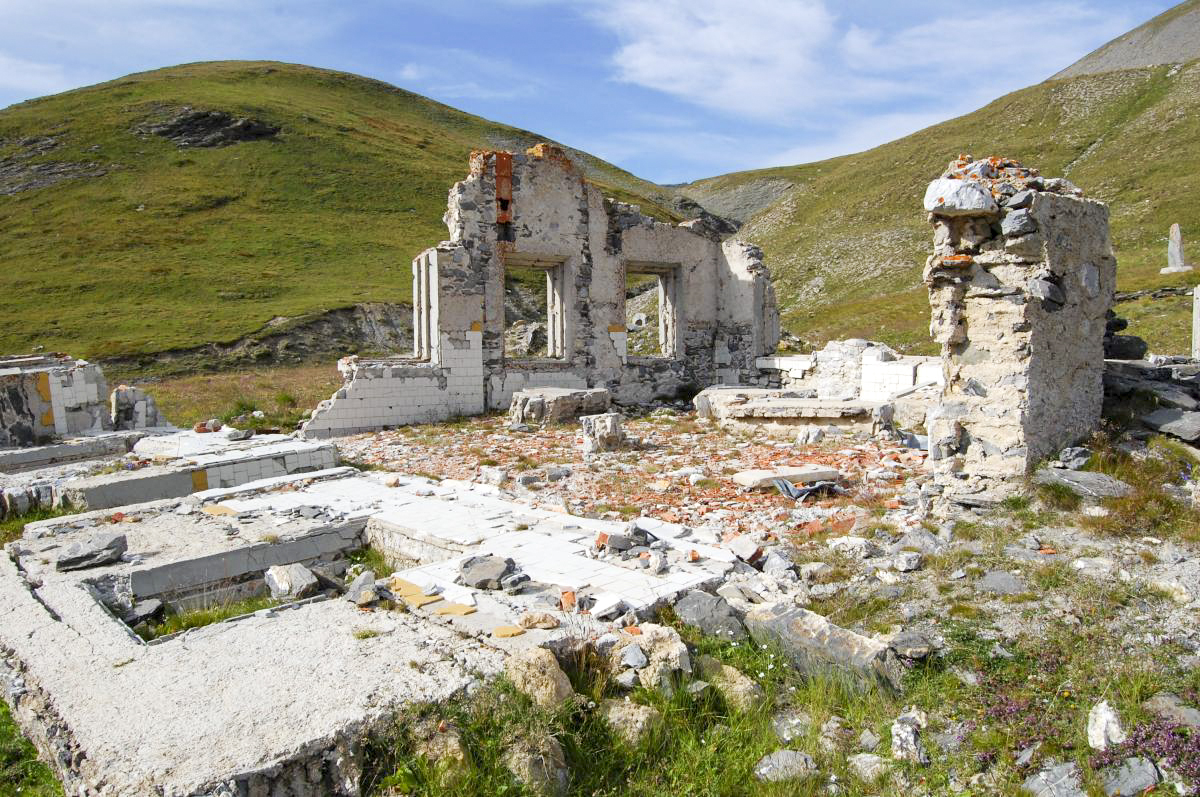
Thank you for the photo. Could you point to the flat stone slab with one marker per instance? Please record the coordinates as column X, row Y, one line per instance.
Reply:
column 801, row 474
column 816, row 645
column 1175, row 422
column 1084, row 483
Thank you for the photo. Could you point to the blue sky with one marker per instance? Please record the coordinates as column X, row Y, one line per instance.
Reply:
column 671, row 90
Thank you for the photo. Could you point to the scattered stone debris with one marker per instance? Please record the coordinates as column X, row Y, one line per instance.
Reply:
column 906, row 737
column 632, row 721
column 540, row 765
column 818, row 646
column 1061, row 780
column 1104, row 727
column 536, row 673
column 292, row 581
column 1086, row 484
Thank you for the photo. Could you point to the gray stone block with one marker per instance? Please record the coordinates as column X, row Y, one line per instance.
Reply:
column 100, row 549
column 815, row 645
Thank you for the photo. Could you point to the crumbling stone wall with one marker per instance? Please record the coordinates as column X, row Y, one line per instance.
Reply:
column 535, row 210
column 47, row 396
column 1020, row 281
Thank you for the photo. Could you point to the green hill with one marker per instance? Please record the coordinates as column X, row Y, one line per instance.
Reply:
column 846, row 238
column 115, row 240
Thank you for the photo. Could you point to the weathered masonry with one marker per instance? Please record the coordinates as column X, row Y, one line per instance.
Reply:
column 1020, row 281
column 534, row 213
column 47, row 396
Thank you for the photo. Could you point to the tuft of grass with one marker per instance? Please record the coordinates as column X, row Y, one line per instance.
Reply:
column 11, row 528
column 1058, row 497
column 175, row 622
column 366, row 633
column 372, row 559
column 21, row 773
column 1150, row 509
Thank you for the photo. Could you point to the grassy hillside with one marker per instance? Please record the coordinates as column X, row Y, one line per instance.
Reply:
column 847, row 241
column 171, row 247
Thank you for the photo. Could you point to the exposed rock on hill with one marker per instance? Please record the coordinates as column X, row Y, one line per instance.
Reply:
column 1172, row 37
column 194, row 128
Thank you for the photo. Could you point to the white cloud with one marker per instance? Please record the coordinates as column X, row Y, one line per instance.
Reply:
column 788, row 61
column 742, row 56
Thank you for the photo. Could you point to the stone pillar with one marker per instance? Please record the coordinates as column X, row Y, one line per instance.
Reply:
column 1020, row 281
column 1176, row 261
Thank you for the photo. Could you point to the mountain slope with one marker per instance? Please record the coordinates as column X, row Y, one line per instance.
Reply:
column 847, row 241
column 115, row 240
column 1173, row 37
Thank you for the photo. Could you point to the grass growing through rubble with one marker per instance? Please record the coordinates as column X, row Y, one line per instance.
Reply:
column 11, row 528
column 21, row 773
column 1151, row 508
column 1036, row 694
column 174, row 622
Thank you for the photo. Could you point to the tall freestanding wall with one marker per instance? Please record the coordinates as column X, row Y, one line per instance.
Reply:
column 1020, row 280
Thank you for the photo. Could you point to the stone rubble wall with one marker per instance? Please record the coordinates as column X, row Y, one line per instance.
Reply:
column 535, row 210
column 1020, row 282
column 851, row 370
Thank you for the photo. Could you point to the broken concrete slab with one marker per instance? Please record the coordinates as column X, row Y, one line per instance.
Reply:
column 799, row 474
column 815, row 645
column 784, row 412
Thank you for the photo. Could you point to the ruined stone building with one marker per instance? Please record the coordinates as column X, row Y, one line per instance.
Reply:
column 1020, row 282
column 532, row 215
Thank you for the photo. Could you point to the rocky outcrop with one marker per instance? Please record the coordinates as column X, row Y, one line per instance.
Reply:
column 191, row 127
